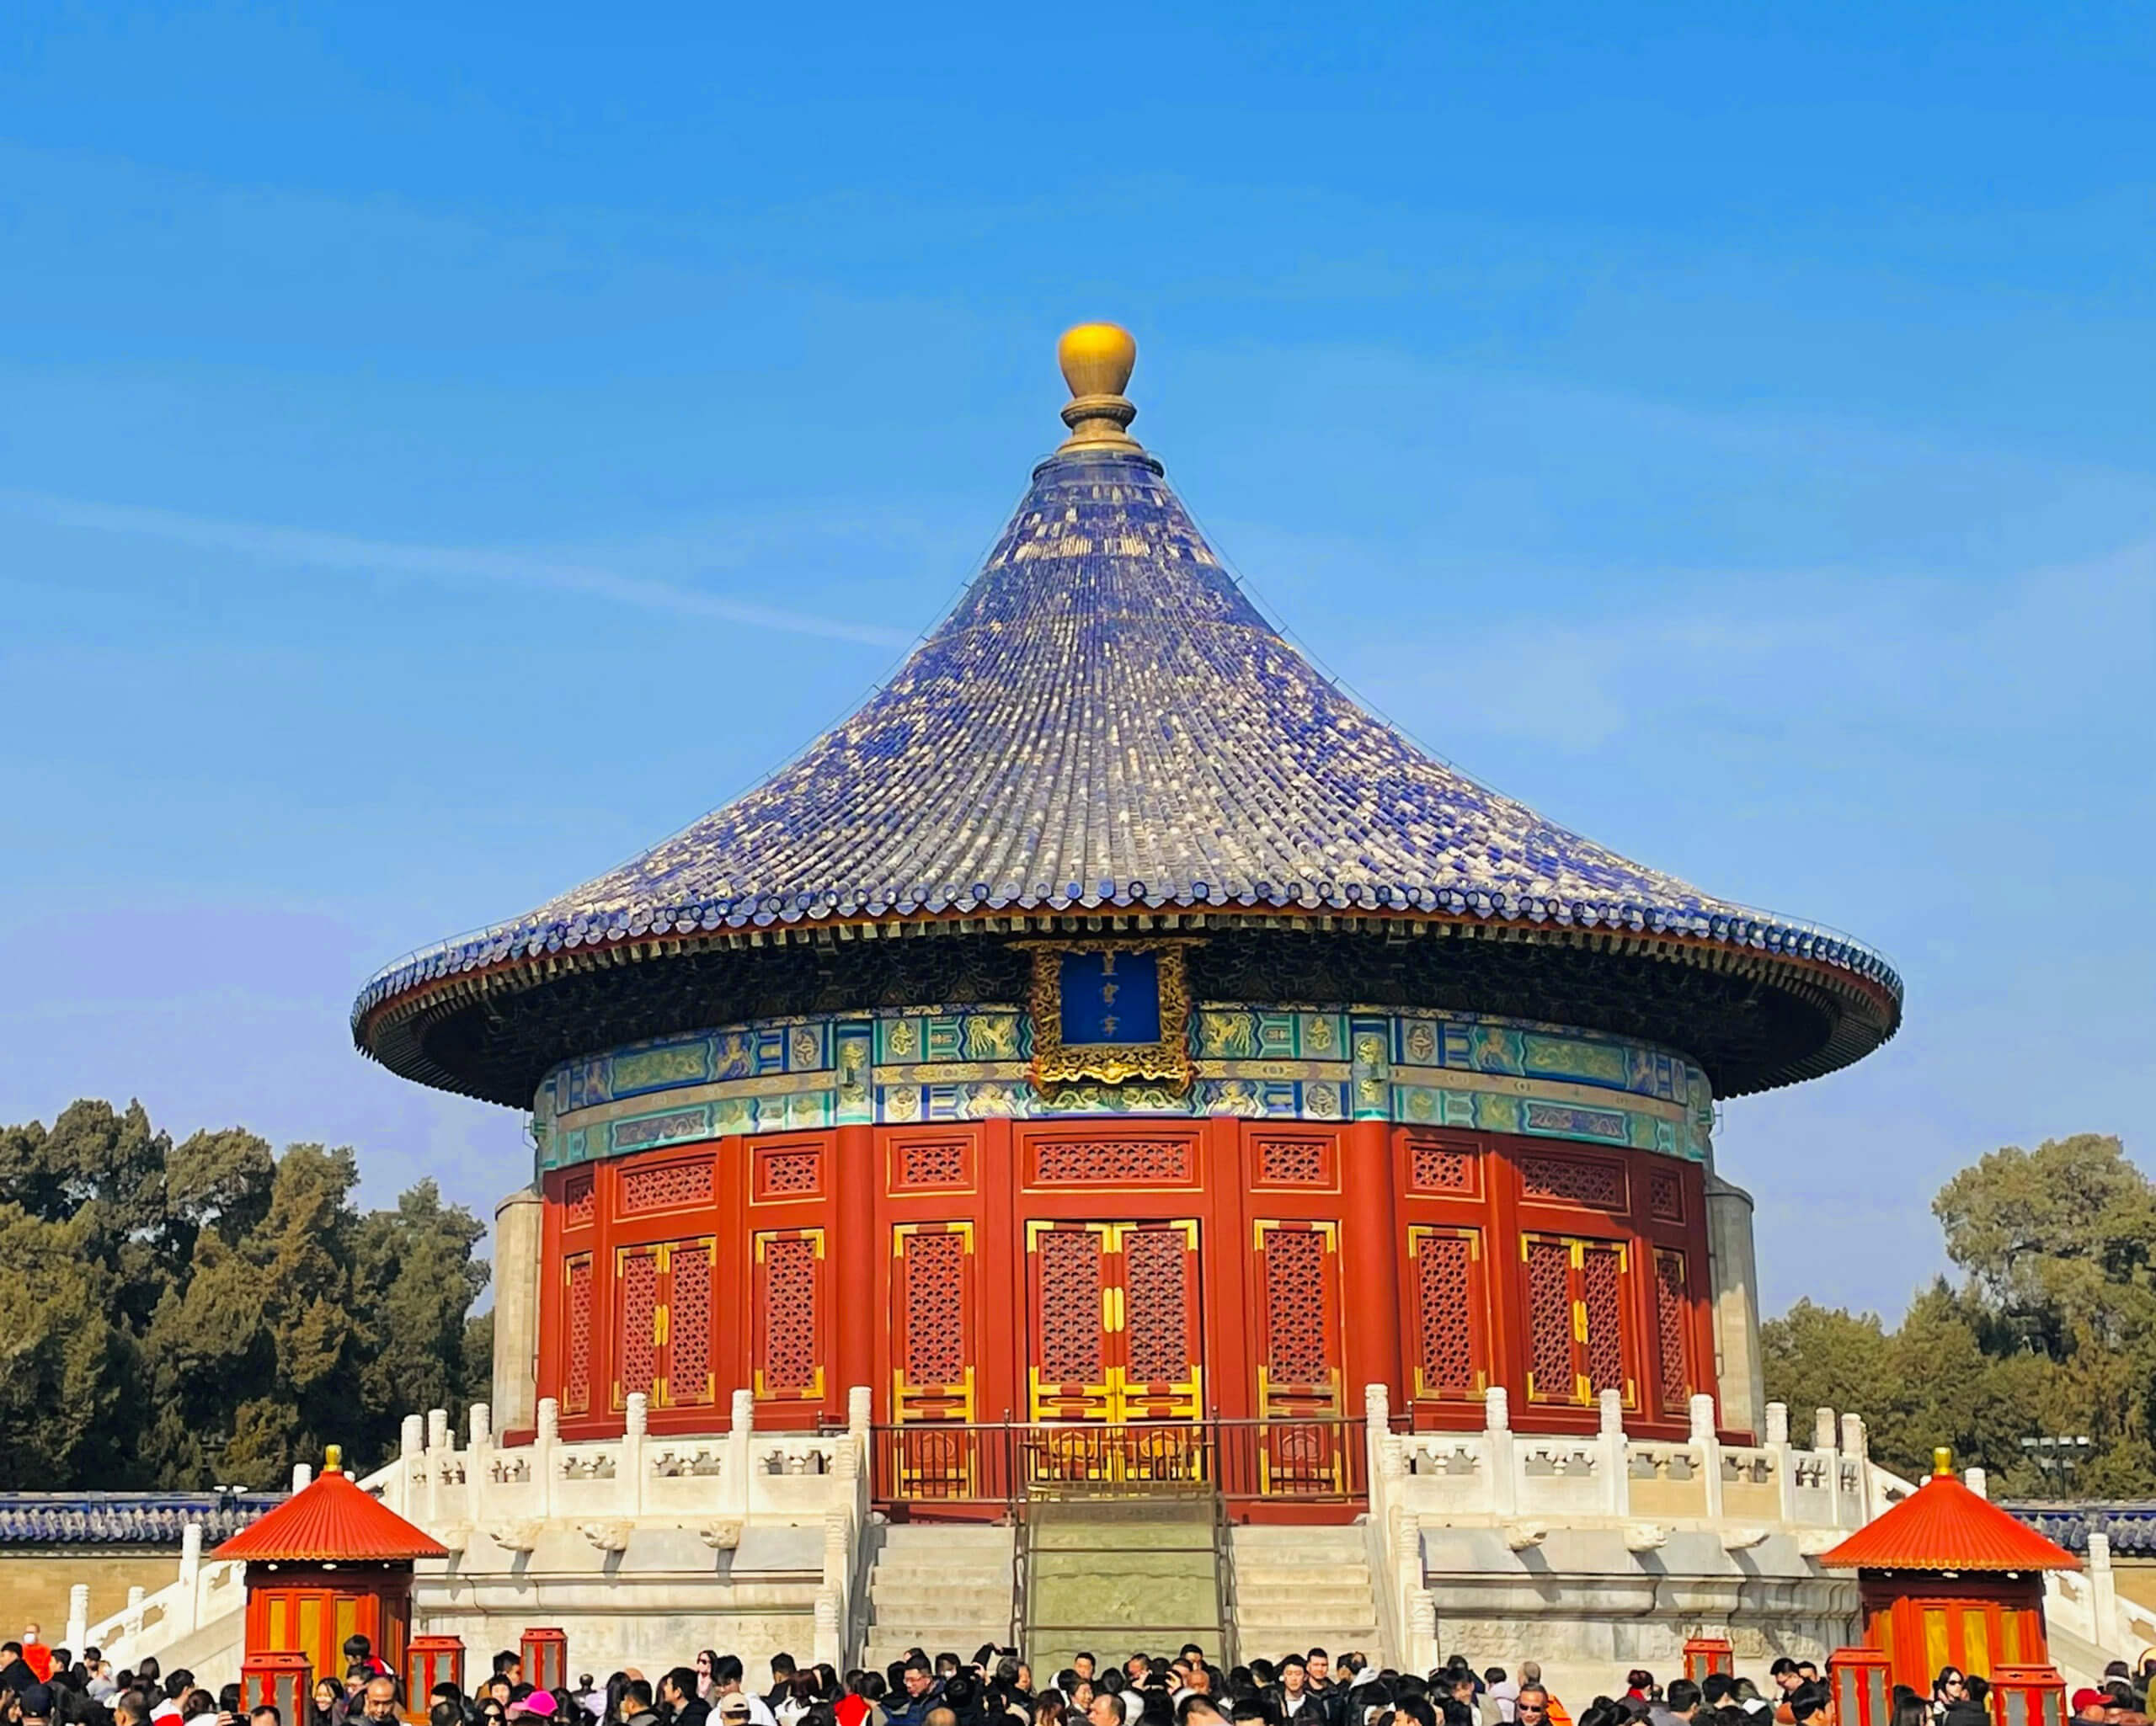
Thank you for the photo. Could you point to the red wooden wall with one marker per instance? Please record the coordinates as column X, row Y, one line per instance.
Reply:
column 1128, row 1267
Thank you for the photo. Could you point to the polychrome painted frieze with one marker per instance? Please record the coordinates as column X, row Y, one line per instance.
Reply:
column 973, row 1062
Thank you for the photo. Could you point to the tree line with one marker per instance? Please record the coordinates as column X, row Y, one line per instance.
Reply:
column 2050, row 1333
column 207, row 1313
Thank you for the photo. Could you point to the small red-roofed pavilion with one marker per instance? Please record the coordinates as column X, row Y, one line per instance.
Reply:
column 1947, row 1578
column 331, row 1560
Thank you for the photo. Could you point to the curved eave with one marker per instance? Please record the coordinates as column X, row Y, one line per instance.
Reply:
column 392, row 1013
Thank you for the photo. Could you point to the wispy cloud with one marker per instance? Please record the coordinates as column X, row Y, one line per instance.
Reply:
column 269, row 544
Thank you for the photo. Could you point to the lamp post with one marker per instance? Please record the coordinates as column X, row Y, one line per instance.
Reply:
column 2058, row 1455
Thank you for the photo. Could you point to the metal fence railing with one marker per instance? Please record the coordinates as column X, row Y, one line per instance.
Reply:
column 961, row 1465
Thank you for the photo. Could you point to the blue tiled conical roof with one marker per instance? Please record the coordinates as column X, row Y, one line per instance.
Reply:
column 1106, row 721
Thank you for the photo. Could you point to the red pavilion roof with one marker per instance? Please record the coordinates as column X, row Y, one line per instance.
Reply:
column 1943, row 1525
column 332, row 1519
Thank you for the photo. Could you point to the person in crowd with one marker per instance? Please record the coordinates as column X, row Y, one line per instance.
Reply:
column 782, row 1676
column 1535, row 1706
column 726, row 1674
column 679, row 1703
column 1679, row 1706
column 266, row 1714
column 918, row 1692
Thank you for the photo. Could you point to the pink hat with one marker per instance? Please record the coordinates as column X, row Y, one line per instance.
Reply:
column 540, row 1703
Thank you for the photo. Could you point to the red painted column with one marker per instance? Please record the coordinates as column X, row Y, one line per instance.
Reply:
column 862, row 1259
column 1371, row 1245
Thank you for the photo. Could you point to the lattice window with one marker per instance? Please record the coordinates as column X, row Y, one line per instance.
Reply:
column 1675, row 1358
column 688, row 1326
column 1666, row 1196
column 1071, row 1346
column 1294, row 1162
column 1434, row 1166
column 792, row 1360
column 1445, row 1293
column 667, row 1186
column 934, row 1269
column 1156, row 1295
column 932, row 1163
column 1551, row 1376
column 790, row 1172
column 1573, row 1181
column 579, row 1201
column 1602, row 1298
column 1297, row 1349
column 1058, row 1161
column 638, row 1352
column 576, row 1369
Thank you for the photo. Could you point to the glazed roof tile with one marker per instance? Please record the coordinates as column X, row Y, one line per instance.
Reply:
column 124, row 1518
column 1105, row 721
column 2130, row 1527
column 1943, row 1525
column 332, row 1519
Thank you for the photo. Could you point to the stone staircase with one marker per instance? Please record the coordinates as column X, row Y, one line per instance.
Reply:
column 1300, row 1588
column 1112, row 1575
column 937, row 1585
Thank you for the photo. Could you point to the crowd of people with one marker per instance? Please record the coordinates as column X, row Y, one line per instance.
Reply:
column 42, row 1686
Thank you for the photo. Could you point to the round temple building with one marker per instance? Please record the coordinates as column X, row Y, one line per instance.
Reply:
column 1112, row 1023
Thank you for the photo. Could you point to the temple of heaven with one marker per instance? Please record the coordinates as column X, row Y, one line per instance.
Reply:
column 1113, row 1022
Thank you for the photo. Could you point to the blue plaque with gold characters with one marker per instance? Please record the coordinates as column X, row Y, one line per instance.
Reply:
column 1109, row 997
column 1111, row 1011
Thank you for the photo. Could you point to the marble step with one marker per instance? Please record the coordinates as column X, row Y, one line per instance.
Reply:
column 922, row 1573
column 1339, row 1600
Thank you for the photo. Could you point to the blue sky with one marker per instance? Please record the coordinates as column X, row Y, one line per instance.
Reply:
column 441, row 454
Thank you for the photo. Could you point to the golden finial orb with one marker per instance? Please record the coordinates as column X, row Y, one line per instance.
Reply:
column 1942, row 1460
column 1097, row 360
column 333, row 1460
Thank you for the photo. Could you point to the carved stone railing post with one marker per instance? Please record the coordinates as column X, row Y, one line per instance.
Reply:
column 1783, row 1459
column 544, row 1446
column 2103, row 1592
column 440, row 1449
column 1408, row 1580
column 1616, row 1456
column 78, row 1617
column 403, row 1497
column 1855, row 1450
column 629, row 1485
column 739, row 1485
column 828, row 1649
column 131, row 1620
column 302, row 1476
column 481, row 1462
column 1497, row 1433
column 1708, row 1443
column 1974, row 1480
column 1423, row 1617
column 190, row 1579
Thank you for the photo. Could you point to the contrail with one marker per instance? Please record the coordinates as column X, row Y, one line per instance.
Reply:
column 330, row 550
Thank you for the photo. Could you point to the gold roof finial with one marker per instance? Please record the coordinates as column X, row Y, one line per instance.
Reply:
column 1942, row 1460
column 333, row 1460
column 1096, row 360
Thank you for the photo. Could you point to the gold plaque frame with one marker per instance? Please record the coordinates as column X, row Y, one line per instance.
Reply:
column 1167, row 1060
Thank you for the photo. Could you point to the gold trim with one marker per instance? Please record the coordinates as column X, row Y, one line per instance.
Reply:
column 1166, row 1060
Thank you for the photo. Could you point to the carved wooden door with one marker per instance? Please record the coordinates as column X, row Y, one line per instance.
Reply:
column 1300, row 1357
column 1115, row 1325
column 934, row 1352
column 663, row 1338
column 1574, row 1297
